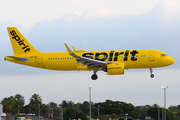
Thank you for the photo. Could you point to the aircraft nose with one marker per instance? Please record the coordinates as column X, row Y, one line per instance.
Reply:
column 171, row 60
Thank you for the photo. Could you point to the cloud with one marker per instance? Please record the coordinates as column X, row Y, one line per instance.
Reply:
column 170, row 10
column 27, row 13
column 78, row 14
column 98, row 13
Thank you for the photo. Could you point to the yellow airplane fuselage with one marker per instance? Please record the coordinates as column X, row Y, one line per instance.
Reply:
column 63, row 61
column 113, row 62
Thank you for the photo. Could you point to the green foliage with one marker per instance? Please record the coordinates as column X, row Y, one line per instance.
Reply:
column 113, row 116
column 56, row 118
column 73, row 114
column 18, row 116
column 67, row 104
column 35, row 100
column 19, row 102
column 176, row 111
column 85, row 107
column 107, row 109
column 117, row 107
column 9, row 105
column 174, row 108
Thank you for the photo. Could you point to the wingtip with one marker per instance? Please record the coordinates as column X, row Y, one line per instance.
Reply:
column 73, row 48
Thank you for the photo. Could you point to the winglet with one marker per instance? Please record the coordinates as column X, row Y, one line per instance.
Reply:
column 73, row 48
column 68, row 49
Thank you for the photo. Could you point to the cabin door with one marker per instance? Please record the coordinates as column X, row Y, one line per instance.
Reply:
column 151, row 56
column 39, row 59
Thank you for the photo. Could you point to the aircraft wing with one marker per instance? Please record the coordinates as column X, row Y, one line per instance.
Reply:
column 23, row 59
column 87, row 61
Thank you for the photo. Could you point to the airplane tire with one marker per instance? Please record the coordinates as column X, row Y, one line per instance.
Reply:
column 94, row 77
column 152, row 75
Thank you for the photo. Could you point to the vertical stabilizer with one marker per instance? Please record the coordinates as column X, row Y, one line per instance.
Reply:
column 19, row 43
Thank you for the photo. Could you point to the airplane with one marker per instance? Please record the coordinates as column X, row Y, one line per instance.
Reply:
column 112, row 62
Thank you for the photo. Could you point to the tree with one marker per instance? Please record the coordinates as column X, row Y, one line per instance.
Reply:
column 19, row 99
column 74, row 114
column 70, row 113
column 153, row 112
column 27, row 109
column 54, row 106
column 67, row 104
column 44, row 110
column 8, row 105
column 64, row 104
column 35, row 100
column 85, row 107
column 113, row 116
column 118, row 108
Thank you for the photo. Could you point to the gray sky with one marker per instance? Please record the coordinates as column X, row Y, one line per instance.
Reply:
column 92, row 25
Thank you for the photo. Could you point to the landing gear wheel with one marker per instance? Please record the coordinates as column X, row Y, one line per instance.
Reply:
column 152, row 75
column 94, row 77
column 151, row 71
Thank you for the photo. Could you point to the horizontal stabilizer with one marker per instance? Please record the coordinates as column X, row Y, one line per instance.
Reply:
column 23, row 59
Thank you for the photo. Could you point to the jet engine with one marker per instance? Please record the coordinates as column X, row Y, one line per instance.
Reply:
column 115, row 69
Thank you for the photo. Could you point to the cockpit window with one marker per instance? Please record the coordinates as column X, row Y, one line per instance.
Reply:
column 163, row 55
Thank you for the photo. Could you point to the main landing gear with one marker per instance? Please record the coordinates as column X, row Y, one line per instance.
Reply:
column 94, row 76
column 152, row 75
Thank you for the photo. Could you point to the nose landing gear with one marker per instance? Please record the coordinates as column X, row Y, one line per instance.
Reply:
column 152, row 75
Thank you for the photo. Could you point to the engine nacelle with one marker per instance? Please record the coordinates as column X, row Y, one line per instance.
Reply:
column 115, row 69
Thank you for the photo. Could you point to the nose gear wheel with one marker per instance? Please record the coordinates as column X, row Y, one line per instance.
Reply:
column 152, row 75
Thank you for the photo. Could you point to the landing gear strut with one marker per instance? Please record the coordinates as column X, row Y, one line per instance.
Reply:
column 94, row 76
column 152, row 75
